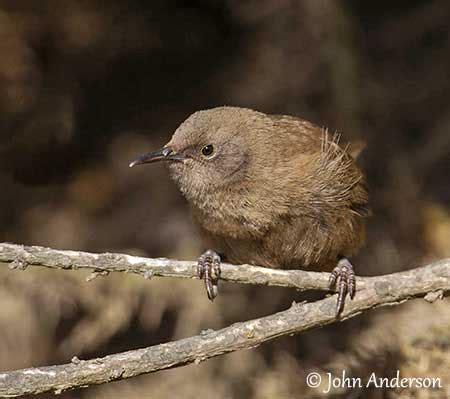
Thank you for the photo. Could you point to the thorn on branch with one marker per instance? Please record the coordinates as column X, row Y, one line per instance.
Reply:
column 148, row 275
column 96, row 274
column 204, row 333
column 434, row 296
column 18, row 264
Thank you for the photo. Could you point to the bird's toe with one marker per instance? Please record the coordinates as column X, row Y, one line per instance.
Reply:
column 208, row 269
column 343, row 279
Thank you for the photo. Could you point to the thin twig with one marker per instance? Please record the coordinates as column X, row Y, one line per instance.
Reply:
column 431, row 281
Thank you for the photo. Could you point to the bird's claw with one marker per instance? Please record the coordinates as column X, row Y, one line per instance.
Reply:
column 343, row 278
column 208, row 269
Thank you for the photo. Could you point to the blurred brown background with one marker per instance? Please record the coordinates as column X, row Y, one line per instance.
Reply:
column 85, row 86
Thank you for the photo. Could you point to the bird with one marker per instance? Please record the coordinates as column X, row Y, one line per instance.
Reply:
column 275, row 191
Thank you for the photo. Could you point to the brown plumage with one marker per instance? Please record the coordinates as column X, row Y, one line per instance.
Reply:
column 268, row 190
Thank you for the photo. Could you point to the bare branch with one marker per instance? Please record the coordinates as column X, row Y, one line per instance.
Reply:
column 431, row 281
column 20, row 257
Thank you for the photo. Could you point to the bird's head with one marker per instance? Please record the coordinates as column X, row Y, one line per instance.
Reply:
column 209, row 150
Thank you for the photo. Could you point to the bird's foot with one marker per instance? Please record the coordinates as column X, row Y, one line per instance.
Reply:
column 208, row 269
column 343, row 278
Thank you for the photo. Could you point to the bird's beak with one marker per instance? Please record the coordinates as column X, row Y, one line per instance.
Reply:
column 164, row 154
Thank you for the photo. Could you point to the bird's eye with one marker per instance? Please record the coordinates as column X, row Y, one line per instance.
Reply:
column 208, row 150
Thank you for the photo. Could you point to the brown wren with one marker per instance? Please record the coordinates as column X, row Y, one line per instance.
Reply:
column 268, row 190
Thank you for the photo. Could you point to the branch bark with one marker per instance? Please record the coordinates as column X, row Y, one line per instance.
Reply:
column 20, row 257
column 430, row 281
